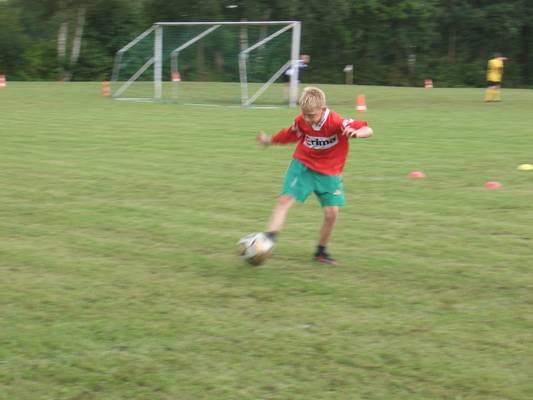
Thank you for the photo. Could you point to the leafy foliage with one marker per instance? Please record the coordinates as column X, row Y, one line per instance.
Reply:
column 389, row 42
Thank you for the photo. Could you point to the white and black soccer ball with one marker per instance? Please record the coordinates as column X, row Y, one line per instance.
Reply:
column 255, row 248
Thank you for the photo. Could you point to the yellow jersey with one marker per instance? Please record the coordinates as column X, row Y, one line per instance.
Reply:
column 495, row 70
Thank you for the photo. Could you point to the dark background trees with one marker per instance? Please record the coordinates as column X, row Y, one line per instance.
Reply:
column 389, row 42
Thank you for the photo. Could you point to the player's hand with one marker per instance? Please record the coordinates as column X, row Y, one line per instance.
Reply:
column 350, row 132
column 263, row 139
column 361, row 133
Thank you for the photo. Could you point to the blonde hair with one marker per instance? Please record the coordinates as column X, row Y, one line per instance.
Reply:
column 312, row 97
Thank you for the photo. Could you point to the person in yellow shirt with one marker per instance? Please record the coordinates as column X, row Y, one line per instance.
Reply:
column 494, row 78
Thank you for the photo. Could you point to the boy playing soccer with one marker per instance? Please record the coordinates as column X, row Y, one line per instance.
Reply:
column 318, row 160
column 494, row 78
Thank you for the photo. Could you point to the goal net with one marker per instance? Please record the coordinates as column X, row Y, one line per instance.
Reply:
column 219, row 63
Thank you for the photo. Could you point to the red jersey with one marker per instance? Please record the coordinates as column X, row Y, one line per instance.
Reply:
column 321, row 147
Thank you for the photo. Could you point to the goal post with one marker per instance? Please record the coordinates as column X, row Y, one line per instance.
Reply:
column 211, row 62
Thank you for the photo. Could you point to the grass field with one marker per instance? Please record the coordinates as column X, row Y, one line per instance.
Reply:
column 119, row 279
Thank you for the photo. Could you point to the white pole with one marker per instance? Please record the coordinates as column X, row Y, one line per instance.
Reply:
column 295, row 56
column 264, row 40
column 158, row 63
column 226, row 23
column 243, row 59
column 265, row 86
column 137, row 39
column 243, row 78
column 127, row 84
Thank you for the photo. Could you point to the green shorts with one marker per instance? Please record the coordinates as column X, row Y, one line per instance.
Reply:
column 300, row 181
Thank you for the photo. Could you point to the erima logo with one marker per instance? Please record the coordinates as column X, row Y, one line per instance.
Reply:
column 320, row 143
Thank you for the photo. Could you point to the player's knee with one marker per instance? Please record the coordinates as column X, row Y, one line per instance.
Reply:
column 330, row 213
column 285, row 201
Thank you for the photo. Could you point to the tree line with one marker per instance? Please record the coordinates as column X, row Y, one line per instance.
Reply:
column 389, row 42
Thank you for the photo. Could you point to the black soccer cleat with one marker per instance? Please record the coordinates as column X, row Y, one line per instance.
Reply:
column 324, row 258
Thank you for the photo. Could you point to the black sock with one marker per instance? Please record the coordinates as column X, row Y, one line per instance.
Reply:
column 320, row 250
column 271, row 235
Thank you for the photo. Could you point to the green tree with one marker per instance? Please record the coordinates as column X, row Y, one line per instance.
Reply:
column 15, row 46
column 390, row 42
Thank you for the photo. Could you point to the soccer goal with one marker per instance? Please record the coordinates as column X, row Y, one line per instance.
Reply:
column 219, row 63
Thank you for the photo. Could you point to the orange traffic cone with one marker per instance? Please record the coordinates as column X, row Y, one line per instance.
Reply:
column 176, row 77
column 428, row 84
column 106, row 88
column 2, row 81
column 361, row 103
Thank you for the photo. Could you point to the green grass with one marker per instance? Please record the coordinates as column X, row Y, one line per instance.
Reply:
column 118, row 224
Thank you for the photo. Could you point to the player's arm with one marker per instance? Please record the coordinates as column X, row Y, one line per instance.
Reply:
column 357, row 129
column 287, row 135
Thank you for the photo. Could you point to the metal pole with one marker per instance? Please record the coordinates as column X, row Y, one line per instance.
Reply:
column 243, row 78
column 158, row 62
column 295, row 56
column 226, row 23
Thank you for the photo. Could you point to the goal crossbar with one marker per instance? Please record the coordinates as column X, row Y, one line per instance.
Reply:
column 228, row 23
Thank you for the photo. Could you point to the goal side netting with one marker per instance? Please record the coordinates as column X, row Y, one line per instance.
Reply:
column 219, row 63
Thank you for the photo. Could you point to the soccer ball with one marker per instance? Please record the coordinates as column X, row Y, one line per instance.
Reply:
column 255, row 248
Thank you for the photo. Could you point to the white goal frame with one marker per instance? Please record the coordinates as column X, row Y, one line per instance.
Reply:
column 246, row 99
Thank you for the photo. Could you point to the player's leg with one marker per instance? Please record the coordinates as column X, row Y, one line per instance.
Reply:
column 296, row 186
column 497, row 92
column 489, row 93
column 330, row 192
column 277, row 219
column 493, row 91
column 330, row 217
